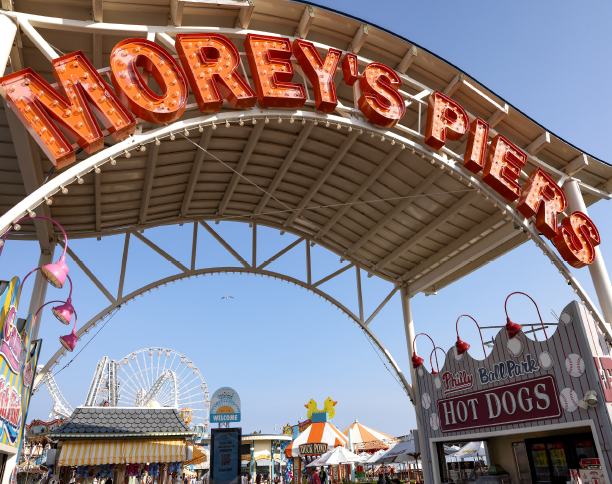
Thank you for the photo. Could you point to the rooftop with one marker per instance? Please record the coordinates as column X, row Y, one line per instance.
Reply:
column 114, row 421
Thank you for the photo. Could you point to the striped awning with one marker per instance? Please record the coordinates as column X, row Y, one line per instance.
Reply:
column 91, row 452
column 88, row 452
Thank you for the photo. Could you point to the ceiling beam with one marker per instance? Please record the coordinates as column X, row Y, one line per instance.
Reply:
column 97, row 7
column 323, row 176
column 359, row 39
column 295, row 149
column 244, row 160
column 454, row 84
column 245, row 14
column 31, row 173
column 195, row 170
column 482, row 252
column 428, row 229
column 384, row 164
column 577, row 164
column 305, row 23
column 498, row 116
column 400, row 207
column 148, row 182
column 539, row 143
column 467, row 238
column 407, row 61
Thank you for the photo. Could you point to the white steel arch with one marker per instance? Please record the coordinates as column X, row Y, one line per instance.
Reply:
column 452, row 166
column 243, row 268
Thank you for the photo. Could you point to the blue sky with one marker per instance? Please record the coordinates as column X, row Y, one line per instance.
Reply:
column 280, row 346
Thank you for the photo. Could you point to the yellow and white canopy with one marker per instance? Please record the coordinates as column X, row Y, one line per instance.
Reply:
column 98, row 452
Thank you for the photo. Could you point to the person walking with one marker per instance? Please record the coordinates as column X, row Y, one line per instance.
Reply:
column 381, row 479
column 387, row 479
column 323, row 476
column 258, row 479
column 315, row 477
column 250, row 479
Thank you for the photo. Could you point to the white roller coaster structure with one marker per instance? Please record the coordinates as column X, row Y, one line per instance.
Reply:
column 61, row 408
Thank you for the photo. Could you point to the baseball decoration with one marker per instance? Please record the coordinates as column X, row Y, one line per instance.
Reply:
column 515, row 346
column 569, row 399
column 434, row 421
column 566, row 318
column 458, row 357
column 574, row 364
column 437, row 382
column 545, row 360
column 426, row 400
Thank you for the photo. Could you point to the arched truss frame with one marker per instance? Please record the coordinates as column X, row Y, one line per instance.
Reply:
column 243, row 267
column 452, row 165
column 347, row 118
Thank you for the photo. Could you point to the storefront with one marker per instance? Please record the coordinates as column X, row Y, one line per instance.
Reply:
column 113, row 442
column 261, row 454
column 542, row 408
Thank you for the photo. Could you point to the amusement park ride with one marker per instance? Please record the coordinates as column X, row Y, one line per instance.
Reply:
column 150, row 377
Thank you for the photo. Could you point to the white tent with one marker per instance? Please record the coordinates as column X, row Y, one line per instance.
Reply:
column 472, row 449
column 374, row 457
column 404, row 451
column 339, row 455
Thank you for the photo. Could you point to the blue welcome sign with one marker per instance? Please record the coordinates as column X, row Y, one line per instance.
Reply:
column 225, row 406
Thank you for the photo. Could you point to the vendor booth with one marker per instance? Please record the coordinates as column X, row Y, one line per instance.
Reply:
column 319, row 437
column 541, row 408
column 122, row 442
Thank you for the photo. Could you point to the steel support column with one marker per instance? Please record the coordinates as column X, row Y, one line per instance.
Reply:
column 599, row 274
column 39, row 291
column 409, row 328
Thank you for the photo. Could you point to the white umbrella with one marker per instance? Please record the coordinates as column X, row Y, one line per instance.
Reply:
column 404, row 451
column 339, row 455
column 374, row 457
column 450, row 449
column 472, row 449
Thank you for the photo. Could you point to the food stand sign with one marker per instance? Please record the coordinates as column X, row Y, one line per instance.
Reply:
column 225, row 406
column 314, row 448
column 225, row 463
column 523, row 386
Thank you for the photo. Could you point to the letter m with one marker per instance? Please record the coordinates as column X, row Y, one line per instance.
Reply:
column 44, row 111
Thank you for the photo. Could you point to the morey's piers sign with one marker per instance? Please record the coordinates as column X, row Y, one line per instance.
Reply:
column 210, row 65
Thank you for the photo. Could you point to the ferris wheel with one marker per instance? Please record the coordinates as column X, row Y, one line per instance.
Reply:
column 161, row 377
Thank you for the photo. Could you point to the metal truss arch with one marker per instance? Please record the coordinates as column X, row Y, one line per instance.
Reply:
column 445, row 160
column 156, row 285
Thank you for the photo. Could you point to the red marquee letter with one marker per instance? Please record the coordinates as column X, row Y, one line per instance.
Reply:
column 35, row 102
column 503, row 168
column 380, row 101
column 476, row 150
column 445, row 119
column 269, row 59
column 577, row 241
column 211, row 63
column 321, row 74
column 350, row 69
column 127, row 56
column 542, row 196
